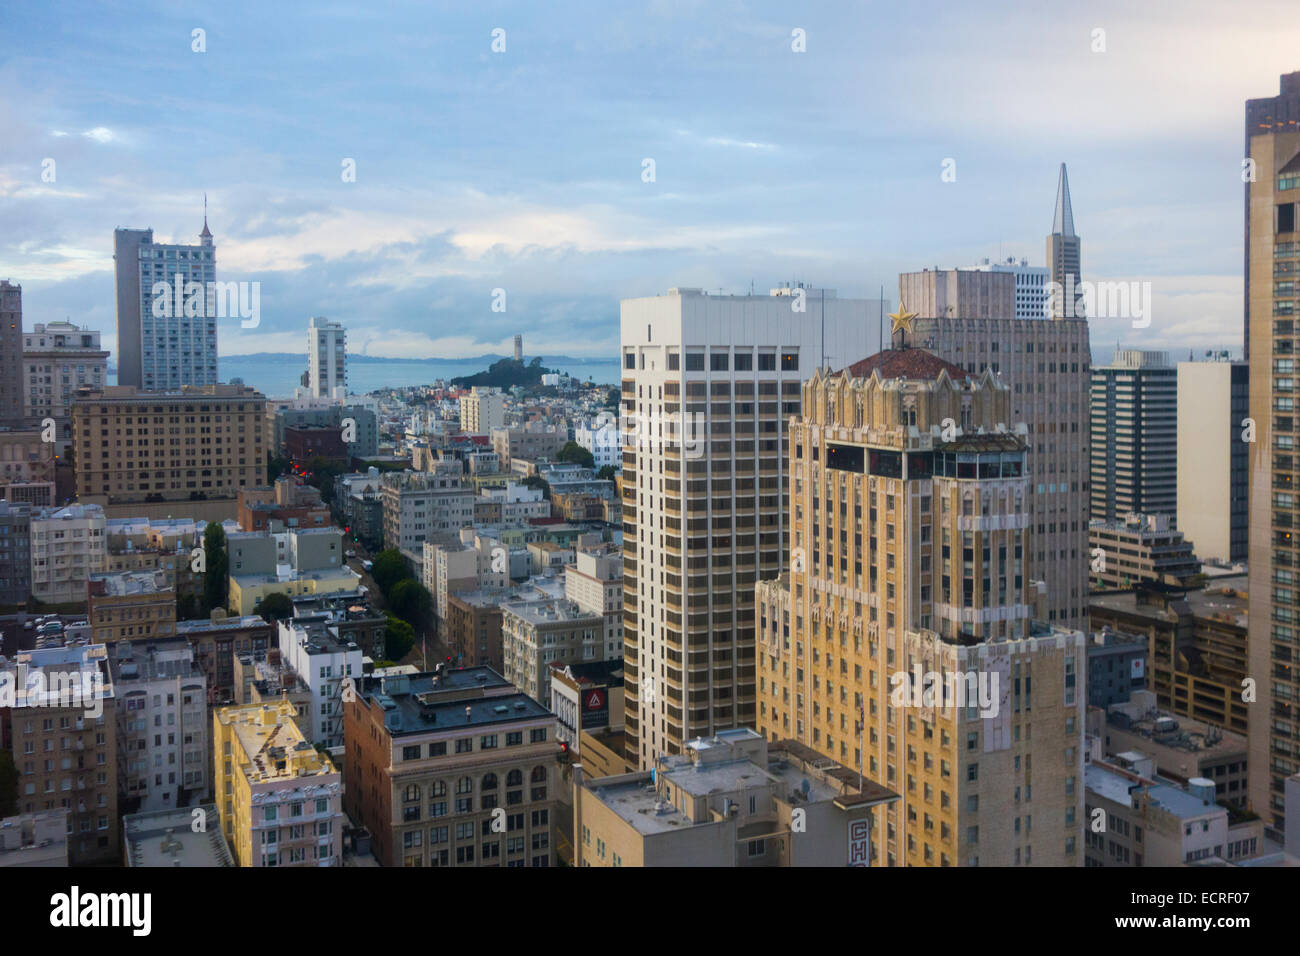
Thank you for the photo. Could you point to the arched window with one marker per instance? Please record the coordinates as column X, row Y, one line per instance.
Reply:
column 539, row 774
column 438, row 788
column 514, row 778
column 489, row 781
column 464, row 785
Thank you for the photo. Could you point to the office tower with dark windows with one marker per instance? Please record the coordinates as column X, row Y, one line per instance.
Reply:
column 1134, row 411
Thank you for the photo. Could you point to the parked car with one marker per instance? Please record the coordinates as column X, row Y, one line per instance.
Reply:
column 367, row 565
column 350, row 554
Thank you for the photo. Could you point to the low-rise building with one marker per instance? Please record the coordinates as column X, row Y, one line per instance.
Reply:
column 422, row 506
column 1142, row 549
column 733, row 800
column 131, row 606
column 35, row 839
column 175, row 837
column 278, row 798
column 68, row 545
column 1116, row 667
column 286, row 506
column 435, row 761
column 217, row 640
column 537, row 634
column 324, row 661
column 15, row 552
column 587, row 698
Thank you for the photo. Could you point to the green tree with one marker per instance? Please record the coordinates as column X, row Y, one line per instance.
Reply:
column 537, row 481
column 607, row 473
column 389, row 568
column 399, row 638
column 574, row 453
column 8, row 784
column 217, row 566
column 411, row 601
column 275, row 467
column 612, row 398
column 276, row 606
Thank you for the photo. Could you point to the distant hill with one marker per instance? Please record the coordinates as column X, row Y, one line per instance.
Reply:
column 505, row 373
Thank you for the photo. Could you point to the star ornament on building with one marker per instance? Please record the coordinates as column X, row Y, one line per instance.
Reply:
column 901, row 321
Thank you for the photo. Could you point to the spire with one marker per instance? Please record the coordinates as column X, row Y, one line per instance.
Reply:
column 1063, row 219
column 207, row 233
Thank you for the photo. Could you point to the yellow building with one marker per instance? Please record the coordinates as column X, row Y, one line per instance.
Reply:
column 131, row 606
column 900, row 642
column 279, row 799
column 247, row 589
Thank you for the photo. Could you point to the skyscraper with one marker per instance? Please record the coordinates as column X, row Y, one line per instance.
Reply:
column 1063, row 256
column 910, row 531
column 166, row 311
column 1134, row 460
column 11, row 354
column 1272, row 259
column 965, row 318
column 327, row 367
column 708, row 384
column 1213, row 461
column 1031, row 286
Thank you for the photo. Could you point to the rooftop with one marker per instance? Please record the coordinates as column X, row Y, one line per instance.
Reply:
column 911, row 363
column 168, row 838
column 450, row 700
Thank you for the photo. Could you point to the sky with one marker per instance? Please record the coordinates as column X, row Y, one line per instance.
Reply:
column 525, row 169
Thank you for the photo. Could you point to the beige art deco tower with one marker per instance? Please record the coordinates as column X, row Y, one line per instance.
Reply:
column 1272, row 261
column 900, row 641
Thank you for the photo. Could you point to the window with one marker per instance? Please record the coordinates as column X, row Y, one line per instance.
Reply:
column 718, row 361
column 766, row 362
column 695, row 361
column 789, row 361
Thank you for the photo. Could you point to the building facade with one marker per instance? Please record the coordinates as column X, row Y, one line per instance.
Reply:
column 68, row 546
column 1133, row 405
column 166, row 311
column 327, row 367
column 1212, row 458
column 59, row 358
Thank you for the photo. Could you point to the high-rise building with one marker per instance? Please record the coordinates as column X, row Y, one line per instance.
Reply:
column 59, row 358
column 1213, row 404
column 900, row 643
column 11, row 355
column 708, row 384
column 1045, row 363
column 166, row 311
column 1272, row 258
column 327, row 367
column 1030, row 289
column 187, row 445
column 1063, row 257
column 160, row 685
column 1133, row 408
column 481, row 410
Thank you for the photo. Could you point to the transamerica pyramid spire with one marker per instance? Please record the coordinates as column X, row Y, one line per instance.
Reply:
column 1063, row 219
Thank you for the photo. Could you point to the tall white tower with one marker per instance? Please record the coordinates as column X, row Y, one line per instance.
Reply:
column 326, row 357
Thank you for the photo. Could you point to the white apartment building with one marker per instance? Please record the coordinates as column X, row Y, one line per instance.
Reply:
column 68, row 545
column 162, row 724
column 482, row 410
column 58, row 358
column 471, row 564
column 603, row 439
column 594, row 582
column 323, row 661
column 704, row 501
column 327, row 367
column 163, row 351
column 423, row 506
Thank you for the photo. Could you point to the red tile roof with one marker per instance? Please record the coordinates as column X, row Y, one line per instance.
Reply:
column 907, row 363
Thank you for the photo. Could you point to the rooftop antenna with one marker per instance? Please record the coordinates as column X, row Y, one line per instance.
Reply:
column 882, row 319
column 823, row 328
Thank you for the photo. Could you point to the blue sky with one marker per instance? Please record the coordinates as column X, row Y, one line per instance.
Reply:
column 522, row 170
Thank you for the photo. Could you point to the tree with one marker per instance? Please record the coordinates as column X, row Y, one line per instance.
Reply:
column 411, row 601
column 399, row 638
column 607, row 473
column 216, row 566
column 8, row 784
column 612, row 398
column 389, row 568
column 576, row 454
column 276, row 606
column 537, row 481
column 275, row 467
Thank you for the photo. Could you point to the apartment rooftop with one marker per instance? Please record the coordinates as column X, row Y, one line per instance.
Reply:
column 156, row 659
column 450, row 700
column 128, row 583
column 222, row 624
column 271, row 746
column 167, row 838
column 1225, row 599
column 551, row 611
